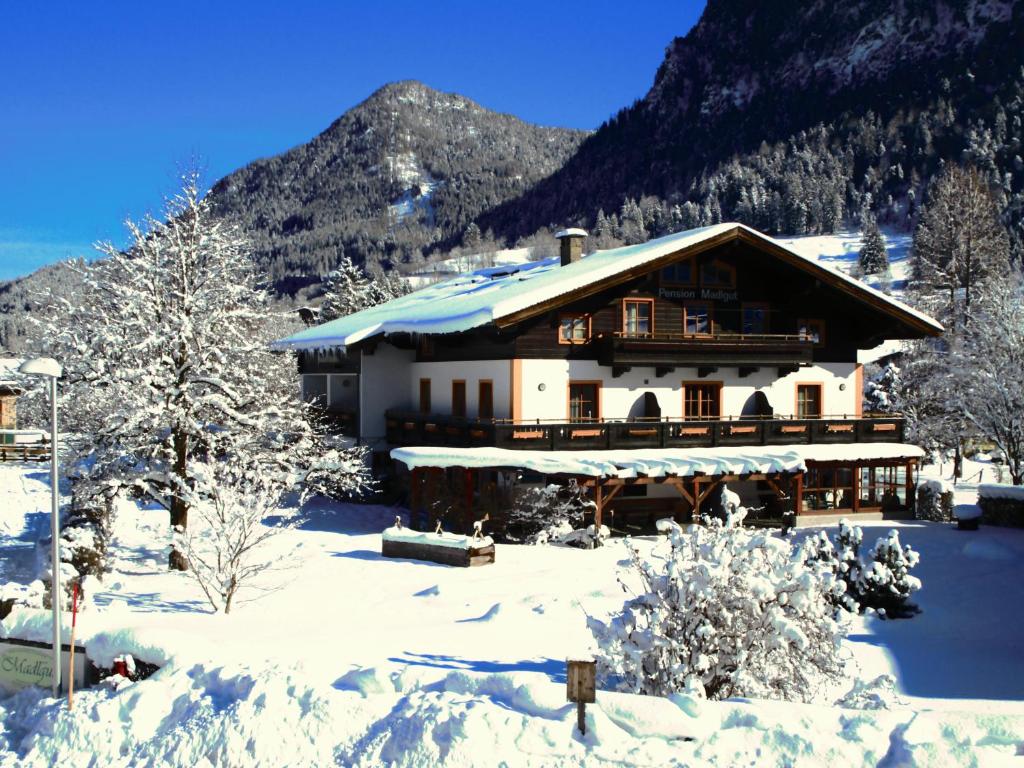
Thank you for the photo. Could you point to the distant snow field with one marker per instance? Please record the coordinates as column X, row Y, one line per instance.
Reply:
column 360, row 660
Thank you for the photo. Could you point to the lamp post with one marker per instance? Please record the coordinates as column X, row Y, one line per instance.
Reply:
column 51, row 369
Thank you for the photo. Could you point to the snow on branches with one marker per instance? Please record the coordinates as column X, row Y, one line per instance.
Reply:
column 550, row 514
column 348, row 289
column 726, row 611
column 168, row 372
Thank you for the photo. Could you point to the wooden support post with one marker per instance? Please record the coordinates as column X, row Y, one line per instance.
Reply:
column 910, row 484
column 856, row 488
column 415, row 496
column 467, row 489
column 598, row 505
column 696, row 499
column 798, row 493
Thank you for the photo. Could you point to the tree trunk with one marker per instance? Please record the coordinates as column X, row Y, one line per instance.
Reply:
column 179, row 508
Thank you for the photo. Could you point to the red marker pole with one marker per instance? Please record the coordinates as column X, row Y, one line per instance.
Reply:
column 71, row 662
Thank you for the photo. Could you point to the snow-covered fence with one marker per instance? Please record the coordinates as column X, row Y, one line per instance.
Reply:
column 23, row 445
column 1002, row 504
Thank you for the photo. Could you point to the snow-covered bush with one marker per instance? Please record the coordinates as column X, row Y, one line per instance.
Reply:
column 726, row 611
column 879, row 693
column 226, row 542
column 880, row 582
column 548, row 514
column 934, row 501
column 885, row 582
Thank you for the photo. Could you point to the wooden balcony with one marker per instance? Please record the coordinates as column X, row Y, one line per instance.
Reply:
column 406, row 428
column 621, row 350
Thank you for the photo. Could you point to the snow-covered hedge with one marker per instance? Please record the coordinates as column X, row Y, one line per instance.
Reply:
column 1002, row 504
column 726, row 611
column 934, row 501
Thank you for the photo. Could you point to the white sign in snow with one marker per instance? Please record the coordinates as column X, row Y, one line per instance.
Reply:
column 24, row 663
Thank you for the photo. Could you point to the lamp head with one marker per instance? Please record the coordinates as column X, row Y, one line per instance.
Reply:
column 41, row 366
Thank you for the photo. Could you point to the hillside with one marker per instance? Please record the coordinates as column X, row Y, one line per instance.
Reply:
column 405, row 169
column 791, row 116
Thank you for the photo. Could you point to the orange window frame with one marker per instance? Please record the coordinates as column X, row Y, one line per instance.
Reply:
column 711, row 317
column 717, row 386
column 625, row 315
column 425, row 399
column 485, row 385
column 459, row 398
column 820, row 386
column 597, row 384
column 574, row 318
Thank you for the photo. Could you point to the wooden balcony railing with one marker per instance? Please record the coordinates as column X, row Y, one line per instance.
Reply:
column 673, row 349
column 409, row 428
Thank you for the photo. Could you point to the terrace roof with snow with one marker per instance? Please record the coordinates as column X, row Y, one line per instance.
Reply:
column 505, row 295
column 680, row 462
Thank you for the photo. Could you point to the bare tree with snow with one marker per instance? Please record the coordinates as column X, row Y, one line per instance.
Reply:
column 167, row 366
column 727, row 611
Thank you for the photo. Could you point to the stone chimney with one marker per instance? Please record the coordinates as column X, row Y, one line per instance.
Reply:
column 571, row 242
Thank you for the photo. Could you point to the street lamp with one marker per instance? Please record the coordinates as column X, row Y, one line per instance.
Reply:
column 50, row 368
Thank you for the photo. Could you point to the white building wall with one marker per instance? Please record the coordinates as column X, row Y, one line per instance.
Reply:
column 384, row 384
column 442, row 375
column 620, row 396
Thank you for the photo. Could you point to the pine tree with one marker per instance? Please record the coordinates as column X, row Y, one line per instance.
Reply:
column 348, row 289
column 873, row 257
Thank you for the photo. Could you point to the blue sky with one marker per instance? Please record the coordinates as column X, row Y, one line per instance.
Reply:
column 102, row 103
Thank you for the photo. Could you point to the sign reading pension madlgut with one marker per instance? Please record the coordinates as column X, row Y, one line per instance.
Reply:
column 24, row 663
column 705, row 294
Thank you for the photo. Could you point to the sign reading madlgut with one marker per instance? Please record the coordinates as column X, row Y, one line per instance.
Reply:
column 24, row 663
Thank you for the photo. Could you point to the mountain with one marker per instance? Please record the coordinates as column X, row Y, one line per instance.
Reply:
column 792, row 114
column 404, row 170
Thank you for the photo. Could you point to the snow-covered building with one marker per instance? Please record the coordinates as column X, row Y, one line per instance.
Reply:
column 11, row 386
column 651, row 373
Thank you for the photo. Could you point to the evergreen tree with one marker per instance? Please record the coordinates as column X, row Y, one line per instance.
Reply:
column 873, row 257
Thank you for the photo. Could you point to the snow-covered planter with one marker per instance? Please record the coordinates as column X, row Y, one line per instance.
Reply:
column 725, row 611
column 934, row 501
column 1002, row 505
column 444, row 548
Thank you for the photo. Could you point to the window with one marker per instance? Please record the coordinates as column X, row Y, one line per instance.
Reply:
column 718, row 274
column 828, row 488
column 755, row 318
column 573, row 329
column 584, row 400
column 697, row 318
column 637, row 317
column 459, row 399
column 811, row 328
column 808, row 401
column 884, row 487
column 344, row 392
column 702, row 400
column 424, row 395
column 679, row 273
column 314, row 389
column 485, row 400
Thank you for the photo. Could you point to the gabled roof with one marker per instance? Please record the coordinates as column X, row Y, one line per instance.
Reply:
column 505, row 295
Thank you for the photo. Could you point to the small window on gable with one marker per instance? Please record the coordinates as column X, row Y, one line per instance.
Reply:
column 718, row 274
column 573, row 329
column 680, row 273
column 697, row 318
column 812, row 329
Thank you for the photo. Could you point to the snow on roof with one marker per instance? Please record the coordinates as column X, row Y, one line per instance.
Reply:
column 571, row 232
column 681, row 462
column 9, row 376
column 487, row 295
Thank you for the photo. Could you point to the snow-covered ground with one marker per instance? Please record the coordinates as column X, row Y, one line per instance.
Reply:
column 842, row 250
column 359, row 660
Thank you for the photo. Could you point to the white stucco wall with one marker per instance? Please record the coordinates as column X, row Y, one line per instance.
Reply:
column 441, row 376
column 620, row 395
column 384, row 384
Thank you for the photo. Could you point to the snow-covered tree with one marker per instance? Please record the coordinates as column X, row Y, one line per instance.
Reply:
column 885, row 582
column 882, row 389
column 547, row 514
column 960, row 249
column 167, row 366
column 990, row 362
column 726, row 611
column 349, row 289
column 226, row 544
column 874, row 260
